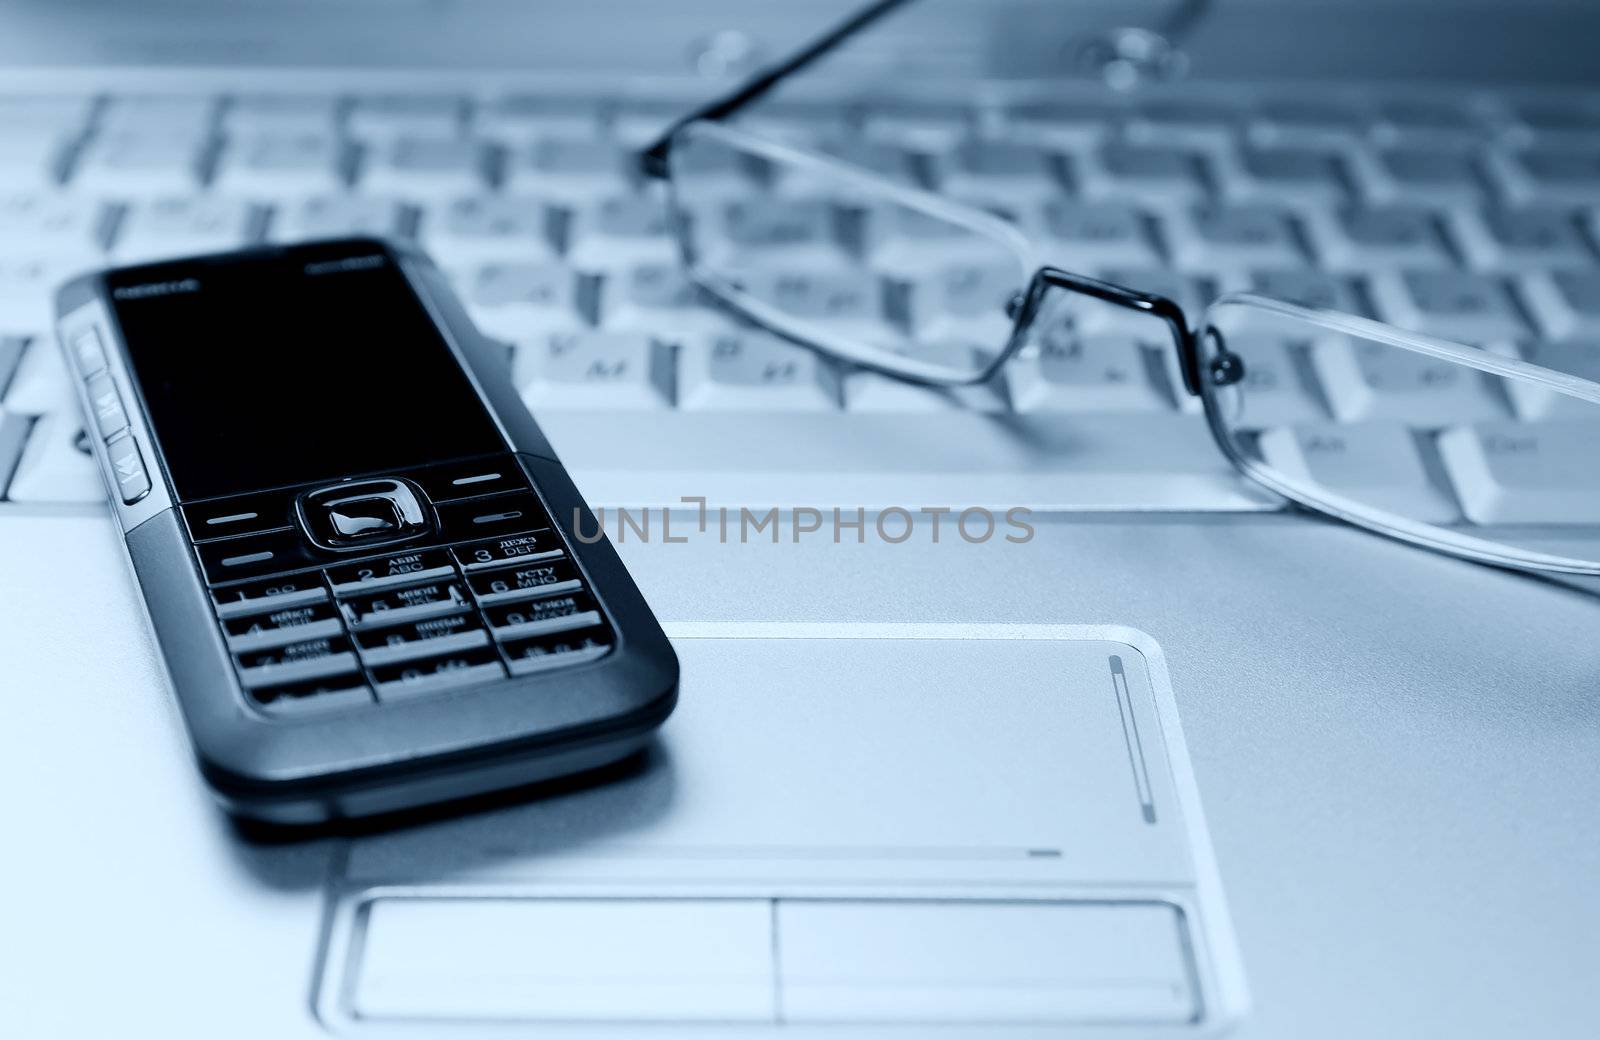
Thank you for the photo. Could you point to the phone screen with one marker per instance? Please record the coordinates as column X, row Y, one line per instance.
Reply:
column 284, row 368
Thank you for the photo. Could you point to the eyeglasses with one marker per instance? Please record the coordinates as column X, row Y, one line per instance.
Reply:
column 1436, row 446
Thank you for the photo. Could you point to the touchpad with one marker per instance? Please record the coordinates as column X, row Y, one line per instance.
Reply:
column 841, row 824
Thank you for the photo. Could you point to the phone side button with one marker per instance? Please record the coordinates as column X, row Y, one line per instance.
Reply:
column 298, row 671
column 127, row 468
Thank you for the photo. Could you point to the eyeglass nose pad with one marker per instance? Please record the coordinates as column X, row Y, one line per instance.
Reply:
column 1014, row 305
column 1225, row 367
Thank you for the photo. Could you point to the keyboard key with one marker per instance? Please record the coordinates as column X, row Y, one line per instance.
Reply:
column 55, row 226
column 888, row 161
column 488, row 229
column 755, row 371
column 1277, row 389
column 908, row 242
column 1210, row 237
column 1375, row 464
column 188, row 115
column 595, row 371
column 314, row 696
column 255, row 597
column 1063, row 123
column 1087, row 235
column 839, row 304
column 1548, row 176
column 1470, row 308
column 542, row 653
column 965, row 303
column 386, row 117
column 425, row 677
column 1571, row 357
column 920, row 126
column 28, row 286
column 1187, row 122
column 400, row 568
column 544, row 616
column 1526, row 473
column 274, row 165
column 282, row 624
column 11, row 351
column 412, row 603
column 1519, row 239
column 1420, row 176
column 523, row 301
column 290, row 116
column 1306, row 287
column 426, row 166
column 443, row 635
column 786, row 233
column 1566, row 304
column 339, row 216
column 639, row 121
column 797, row 122
column 13, row 437
column 571, row 169
column 1084, row 374
column 1284, row 176
column 620, row 232
column 38, row 160
column 1155, row 175
column 866, row 391
column 524, row 580
column 53, row 115
column 493, row 552
column 314, row 660
column 519, row 118
column 659, row 298
column 1559, row 125
column 40, row 385
column 174, row 227
column 1364, row 238
column 56, row 465
column 1303, row 123
column 1428, row 123
column 131, row 166
column 1009, row 173
column 1365, row 380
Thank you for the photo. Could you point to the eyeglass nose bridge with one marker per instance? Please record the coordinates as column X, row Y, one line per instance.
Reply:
column 1023, row 308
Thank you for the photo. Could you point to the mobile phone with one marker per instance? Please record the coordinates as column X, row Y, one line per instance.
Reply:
column 359, row 555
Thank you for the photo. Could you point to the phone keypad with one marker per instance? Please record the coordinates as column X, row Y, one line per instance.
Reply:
column 494, row 592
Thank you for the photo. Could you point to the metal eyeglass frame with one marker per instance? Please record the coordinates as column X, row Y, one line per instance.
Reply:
column 1207, row 366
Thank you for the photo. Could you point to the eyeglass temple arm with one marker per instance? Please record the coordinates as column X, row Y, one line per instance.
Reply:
column 653, row 159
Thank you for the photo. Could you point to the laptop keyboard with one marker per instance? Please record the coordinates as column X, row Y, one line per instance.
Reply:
column 1475, row 219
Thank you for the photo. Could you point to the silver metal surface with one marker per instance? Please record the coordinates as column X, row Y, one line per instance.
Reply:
column 1396, row 773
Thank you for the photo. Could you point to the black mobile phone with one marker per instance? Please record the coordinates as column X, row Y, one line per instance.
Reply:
column 359, row 554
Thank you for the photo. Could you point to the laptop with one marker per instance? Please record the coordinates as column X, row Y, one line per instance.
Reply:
column 1180, row 762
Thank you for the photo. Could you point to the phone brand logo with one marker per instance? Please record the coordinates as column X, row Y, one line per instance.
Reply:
column 140, row 292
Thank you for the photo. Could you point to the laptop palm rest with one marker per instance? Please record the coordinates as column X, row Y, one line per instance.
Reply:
column 847, row 826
